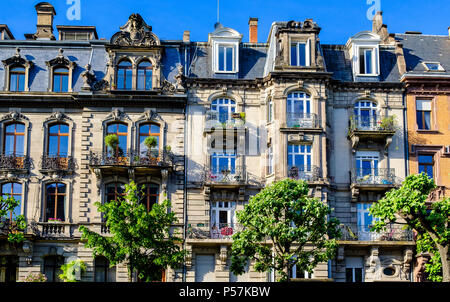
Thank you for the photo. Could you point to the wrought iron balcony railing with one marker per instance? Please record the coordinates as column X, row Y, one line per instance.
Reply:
column 393, row 232
column 307, row 173
column 375, row 177
column 372, row 123
column 136, row 159
column 302, row 120
column 216, row 120
column 234, row 175
column 57, row 163
column 14, row 162
column 208, row 230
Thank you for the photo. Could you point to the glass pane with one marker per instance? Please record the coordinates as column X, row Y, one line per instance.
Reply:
column 427, row 120
column 20, row 141
column 420, row 120
column 123, row 128
column 294, row 55
column 426, row 159
column 13, row 82
column 21, row 85
column 20, row 128
column 120, row 77
column 53, row 146
column 144, row 129
column 6, row 188
column 56, row 83
column 61, row 188
column 302, row 54
column 221, row 58
column 64, row 146
column 50, row 207
column 9, row 145
column 54, row 129
column 368, row 54
column 64, row 129
column 229, row 59
column 60, row 209
column 358, row 275
column 128, row 79
column 155, row 129
column 362, row 63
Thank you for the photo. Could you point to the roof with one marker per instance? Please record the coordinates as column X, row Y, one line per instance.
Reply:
column 425, row 48
column 6, row 28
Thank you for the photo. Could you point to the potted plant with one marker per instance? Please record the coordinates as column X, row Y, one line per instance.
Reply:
column 54, row 220
column 112, row 142
column 388, row 123
column 37, row 277
column 151, row 142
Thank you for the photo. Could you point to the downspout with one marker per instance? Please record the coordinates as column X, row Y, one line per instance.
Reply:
column 185, row 168
column 405, row 130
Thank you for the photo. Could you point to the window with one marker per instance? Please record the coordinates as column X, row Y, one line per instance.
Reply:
column 14, row 140
column 13, row 190
column 433, row 66
column 61, row 79
column 225, row 58
column 296, row 274
column 270, row 111
column 365, row 114
column 52, row 268
column 8, row 269
column 423, row 113
column 426, row 164
column 58, row 141
column 223, row 218
column 298, row 109
column 300, row 54
column 225, row 108
column 103, row 272
column 145, row 72
column 367, row 164
column 114, row 191
column 366, row 61
column 55, row 202
column 354, row 269
column 300, row 156
column 121, row 130
column 124, row 75
column 17, row 79
column 145, row 131
column 150, row 196
column 365, row 222
column 270, row 160
column 222, row 165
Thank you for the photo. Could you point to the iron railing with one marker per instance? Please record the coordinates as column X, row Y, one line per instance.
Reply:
column 302, row 120
column 57, row 163
column 226, row 176
column 14, row 162
column 216, row 120
column 307, row 173
column 375, row 177
column 208, row 230
column 134, row 158
column 372, row 123
column 393, row 232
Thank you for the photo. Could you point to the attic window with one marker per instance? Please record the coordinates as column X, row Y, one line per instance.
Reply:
column 433, row 66
column 226, row 58
column 367, row 61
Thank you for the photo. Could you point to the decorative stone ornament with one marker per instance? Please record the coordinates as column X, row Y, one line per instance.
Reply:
column 135, row 33
column 88, row 78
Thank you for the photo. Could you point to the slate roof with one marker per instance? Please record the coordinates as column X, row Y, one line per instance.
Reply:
column 425, row 48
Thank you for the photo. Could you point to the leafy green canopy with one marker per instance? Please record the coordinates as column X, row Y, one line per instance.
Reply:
column 140, row 238
column 283, row 227
column 407, row 205
column 13, row 227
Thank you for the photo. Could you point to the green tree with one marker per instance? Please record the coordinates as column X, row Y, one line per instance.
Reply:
column 11, row 224
column 142, row 239
column 407, row 205
column 283, row 227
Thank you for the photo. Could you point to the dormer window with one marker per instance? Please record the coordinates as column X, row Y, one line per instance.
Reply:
column 17, row 79
column 300, row 54
column 366, row 61
column 225, row 42
column 60, row 73
column 124, row 75
column 17, row 70
column 226, row 58
column 364, row 51
column 61, row 80
column 144, row 74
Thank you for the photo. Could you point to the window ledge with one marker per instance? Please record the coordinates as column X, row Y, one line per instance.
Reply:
column 368, row 75
column 423, row 131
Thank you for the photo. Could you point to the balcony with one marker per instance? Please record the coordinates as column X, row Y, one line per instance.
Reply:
column 53, row 229
column 393, row 232
column 306, row 173
column 204, row 230
column 225, row 178
column 302, row 120
column 14, row 163
column 216, row 121
column 375, row 178
column 58, row 164
column 377, row 129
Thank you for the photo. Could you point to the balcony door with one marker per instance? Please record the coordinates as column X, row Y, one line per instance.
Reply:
column 223, row 219
column 367, row 166
column 14, row 140
column 365, row 222
column 365, row 114
column 223, row 166
column 298, row 109
column 300, row 161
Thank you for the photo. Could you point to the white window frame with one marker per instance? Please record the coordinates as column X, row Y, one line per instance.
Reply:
column 440, row 68
column 371, row 156
column 304, row 154
column 364, row 233
column 355, row 263
column 270, row 160
column 374, row 60
column 270, row 111
column 307, row 53
column 231, row 44
column 230, row 105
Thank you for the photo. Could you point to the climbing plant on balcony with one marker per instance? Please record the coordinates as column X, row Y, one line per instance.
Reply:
column 295, row 225
column 141, row 239
column 408, row 206
column 11, row 225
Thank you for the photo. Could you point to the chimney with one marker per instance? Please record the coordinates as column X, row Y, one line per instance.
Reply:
column 379, row 28
column 253, row 30
column 45, row 14
column 186, row 36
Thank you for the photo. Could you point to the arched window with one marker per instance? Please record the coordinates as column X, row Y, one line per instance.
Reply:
column 121, row 130
column 61, row 79
column 17, row 79
column 225, row 108
column 144, row 76
column 365, row 114
column 52, row 268
column 13, row 190
column 58, row 141
column 103, row 272
column 124, row 75
column 150, row 195
column 146, row 131
column 113, row 191
column 55, row 202
column 14, row 140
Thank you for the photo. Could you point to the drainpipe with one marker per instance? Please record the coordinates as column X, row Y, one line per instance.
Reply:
column 185, row 169
column 405, row 131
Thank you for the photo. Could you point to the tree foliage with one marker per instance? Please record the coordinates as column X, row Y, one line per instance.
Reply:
column 13, row 226
column 283, row 227
column 407, row 205
column 142, row 239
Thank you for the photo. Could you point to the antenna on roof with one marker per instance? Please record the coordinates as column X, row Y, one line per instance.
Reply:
column 218, row 11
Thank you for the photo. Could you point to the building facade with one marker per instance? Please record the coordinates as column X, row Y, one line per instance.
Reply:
column 229, row 117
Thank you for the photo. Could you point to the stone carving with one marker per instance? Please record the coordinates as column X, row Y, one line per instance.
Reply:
column 419, row 270
column 88, row 77
column 180, row 78
column 58, row 116
column 17, row 59
column 117, row 115
column 135, row 33
column 15, row 116
column 150, row 115
column 60, row 60
column 168, row 87
column 374, row 264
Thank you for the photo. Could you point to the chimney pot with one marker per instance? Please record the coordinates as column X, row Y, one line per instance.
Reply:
column 253, row 30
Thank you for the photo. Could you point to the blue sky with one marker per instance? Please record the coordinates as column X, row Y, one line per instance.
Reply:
column 339, row 19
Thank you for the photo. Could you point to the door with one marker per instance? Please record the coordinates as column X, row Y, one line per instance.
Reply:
column 204, row 268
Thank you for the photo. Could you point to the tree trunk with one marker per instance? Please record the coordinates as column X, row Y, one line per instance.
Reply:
column 443, row 252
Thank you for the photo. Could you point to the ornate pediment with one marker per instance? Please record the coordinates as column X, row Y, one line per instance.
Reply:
column 117, row 115
column 17, row 60
column 60, row 60
column 58, row 116
column 14, row 116
column 135, row 33
column 150, row 115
